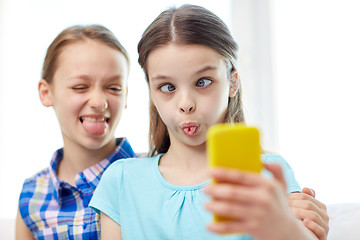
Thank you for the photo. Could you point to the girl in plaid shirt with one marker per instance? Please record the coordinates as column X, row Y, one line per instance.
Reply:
column 84, row 79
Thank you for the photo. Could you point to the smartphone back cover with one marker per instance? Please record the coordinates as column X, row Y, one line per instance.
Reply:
column 234, row 146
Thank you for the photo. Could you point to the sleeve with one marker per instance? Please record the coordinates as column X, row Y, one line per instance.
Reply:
column 292, row 183
column 107, row 193
column 26, row 195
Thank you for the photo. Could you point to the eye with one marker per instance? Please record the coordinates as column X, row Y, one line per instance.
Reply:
column 204, row 82
column 115, row 89
column 79, row 88
column 167, row 87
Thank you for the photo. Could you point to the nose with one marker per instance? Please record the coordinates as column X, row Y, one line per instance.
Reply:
column 98, row 100
column 186, row 103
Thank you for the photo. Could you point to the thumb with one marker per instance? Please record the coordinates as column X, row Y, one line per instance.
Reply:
column 277, row 172
column 309, row 191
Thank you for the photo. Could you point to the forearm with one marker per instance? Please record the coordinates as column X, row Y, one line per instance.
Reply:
column 297, row 231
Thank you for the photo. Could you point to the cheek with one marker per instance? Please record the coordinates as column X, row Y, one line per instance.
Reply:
column 116, row 104
column 164, row 109
column 67, row 104
column 215, row 106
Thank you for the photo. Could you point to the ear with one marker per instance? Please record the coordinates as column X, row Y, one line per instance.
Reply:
column 126, row 97
column 45, row 93
column 234, row 83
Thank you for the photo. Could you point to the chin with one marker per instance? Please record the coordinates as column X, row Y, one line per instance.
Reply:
column 96, row 143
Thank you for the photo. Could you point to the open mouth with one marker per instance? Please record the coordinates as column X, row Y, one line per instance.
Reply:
column 96, row 126
column 92, row 119
column 190, row 129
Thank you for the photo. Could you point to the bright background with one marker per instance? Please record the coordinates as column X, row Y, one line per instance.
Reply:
column 299, row 64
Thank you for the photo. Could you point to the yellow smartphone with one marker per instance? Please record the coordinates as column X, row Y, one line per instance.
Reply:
column 234, row 146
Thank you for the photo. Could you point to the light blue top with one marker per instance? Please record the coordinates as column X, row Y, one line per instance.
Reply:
column 135, row 195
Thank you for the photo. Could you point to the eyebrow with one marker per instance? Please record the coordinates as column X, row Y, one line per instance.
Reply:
column 160, row 77
column 87, row 77
column 81, row 76
column 202, row 70
column 206, row 68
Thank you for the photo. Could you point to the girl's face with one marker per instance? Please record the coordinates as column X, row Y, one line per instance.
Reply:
column 88, row 93
column 190, row 88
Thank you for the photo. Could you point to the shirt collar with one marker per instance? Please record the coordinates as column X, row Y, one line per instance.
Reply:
column 89, row 178
column 93, row 174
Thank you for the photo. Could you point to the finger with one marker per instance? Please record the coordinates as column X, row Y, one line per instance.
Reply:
column 302, row 200
column 309, row 191
column 260, row 195
column 231, row 192
column 320, row 232
column 226, row 227
column 302, row 213
column 236, row 176
column 231, row 210
column 305, row 200
column 312, row 213
column 313, row 216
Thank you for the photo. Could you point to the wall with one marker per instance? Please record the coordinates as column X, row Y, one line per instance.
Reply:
column 317, row 88
column 29, row 132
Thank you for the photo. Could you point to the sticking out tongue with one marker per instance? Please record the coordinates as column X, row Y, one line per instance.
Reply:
column 96, row 128
column 190, row 130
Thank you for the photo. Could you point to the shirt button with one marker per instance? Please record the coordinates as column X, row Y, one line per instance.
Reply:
column 84, row 225
column 82, row 176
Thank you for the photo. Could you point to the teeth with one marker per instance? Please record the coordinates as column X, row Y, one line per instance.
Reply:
column 93, row 119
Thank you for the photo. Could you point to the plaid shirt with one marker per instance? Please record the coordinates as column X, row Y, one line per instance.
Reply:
column 54, row 209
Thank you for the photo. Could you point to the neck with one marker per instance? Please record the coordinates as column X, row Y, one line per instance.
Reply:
column 78, row 158
column 186, row 156
column 184, row 165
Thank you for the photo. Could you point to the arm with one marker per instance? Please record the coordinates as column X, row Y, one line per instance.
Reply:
column 257, row 205
column 22, row 232
column 311, row 211
column 109, row 228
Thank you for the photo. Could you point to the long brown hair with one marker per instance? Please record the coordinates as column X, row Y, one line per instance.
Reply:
column 74, row 34
column 188, row 24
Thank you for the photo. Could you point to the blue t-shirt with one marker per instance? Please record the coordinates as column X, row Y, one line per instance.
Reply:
column 135, row 195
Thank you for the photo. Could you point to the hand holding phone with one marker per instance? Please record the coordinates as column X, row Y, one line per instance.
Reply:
column 234, row 146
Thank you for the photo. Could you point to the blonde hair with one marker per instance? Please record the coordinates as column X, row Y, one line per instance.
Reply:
column 188, row 24
column 75, row 34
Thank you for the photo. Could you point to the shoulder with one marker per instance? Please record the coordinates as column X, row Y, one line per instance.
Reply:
column 44, row 176
column 130, row 166
column 133, row 162
column 275, row 158
column 272, row 158
column 123, row 149
column 133, row 171
column 34, row 190
column 41, row 177
column 292, row 184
